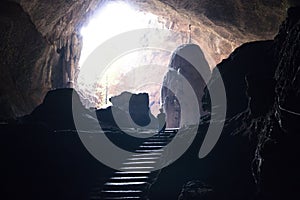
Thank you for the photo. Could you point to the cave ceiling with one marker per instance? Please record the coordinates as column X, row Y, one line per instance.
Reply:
column 41, row 39
column 217, row 26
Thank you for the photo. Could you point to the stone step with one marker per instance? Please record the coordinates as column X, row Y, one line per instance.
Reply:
column 149, row 150
column 139, row 163
column 154, row 142
column 144, row 155
column 134, row 172
column 151, row 146
column 161, row 136
column 126, row 178
column 111, row 183
column 143, row 158
column 134, row 168
column 136, row 178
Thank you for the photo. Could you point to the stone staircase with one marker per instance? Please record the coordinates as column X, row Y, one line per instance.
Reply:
column 136, row 177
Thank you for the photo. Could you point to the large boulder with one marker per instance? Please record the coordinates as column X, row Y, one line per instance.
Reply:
column 277, row 131
column 58, row 109
column 128, row 110
column 187, row 64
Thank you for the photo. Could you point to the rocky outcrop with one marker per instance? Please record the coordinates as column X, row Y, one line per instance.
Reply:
column 250, row 61
column 260, row 135
column 57, row 110
column 187, row 64
column 220, row 26
column 38, row 161
column 59, row 107
column 268, row 87
column 194, row 190
column 128, row 110
column 23, row 83
column 278, row 134
column 40, row 40
column 40, row 49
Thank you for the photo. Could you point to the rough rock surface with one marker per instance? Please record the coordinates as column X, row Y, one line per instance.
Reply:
column 269, row 112
column 21, row 46
column 194, row 190
column 40, row 48
column 220, row 26
column 261, row 130
column 188, row 66
column 57, row 110
column 278, row 132
column 252, row 60
column 128, row 110
column 40, row 40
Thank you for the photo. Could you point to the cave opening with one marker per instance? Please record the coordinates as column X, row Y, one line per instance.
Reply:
column 135, row 71
column 127, row 72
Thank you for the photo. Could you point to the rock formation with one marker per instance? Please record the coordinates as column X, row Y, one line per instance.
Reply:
column 194, row 190
column 260, row 133
column 262, row 104
column 41, row 43
column 128, row 110
column 277, row 131
column 187, row 64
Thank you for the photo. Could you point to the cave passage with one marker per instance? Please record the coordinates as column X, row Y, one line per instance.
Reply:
column 136, row 71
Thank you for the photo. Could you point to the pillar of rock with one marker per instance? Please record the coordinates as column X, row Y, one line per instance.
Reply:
column 187, row 62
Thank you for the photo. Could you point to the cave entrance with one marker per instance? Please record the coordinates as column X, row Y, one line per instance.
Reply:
column 132, row 72
column 140, row 70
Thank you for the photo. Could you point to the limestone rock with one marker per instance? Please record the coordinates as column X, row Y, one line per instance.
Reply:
column 41, row 43
column 188, row 73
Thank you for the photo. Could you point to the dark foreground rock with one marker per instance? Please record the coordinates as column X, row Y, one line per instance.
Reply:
column 258, row 152
column 44, row 157
column 277, row 155
column 38, row 164
column 128, row 111
column 194, row 190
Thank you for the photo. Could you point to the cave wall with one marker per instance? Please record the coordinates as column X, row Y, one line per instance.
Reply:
column 40, row 41
column 23, row 80
column 219, row 27
column 262, row 87
column 40, row 49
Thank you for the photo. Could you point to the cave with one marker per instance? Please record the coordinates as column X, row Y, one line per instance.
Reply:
column 58, row 42
column 78, row 115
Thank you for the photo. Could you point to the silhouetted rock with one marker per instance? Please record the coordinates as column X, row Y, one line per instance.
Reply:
column 262, row 102
column 43, row 47
column 57, row 109
column 45, row 158
column 250, row 61
column 249, row 71
column 187, row 64
column 128, row 110
column 276, row 165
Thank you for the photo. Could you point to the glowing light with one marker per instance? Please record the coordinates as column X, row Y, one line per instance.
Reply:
column 112, row 19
